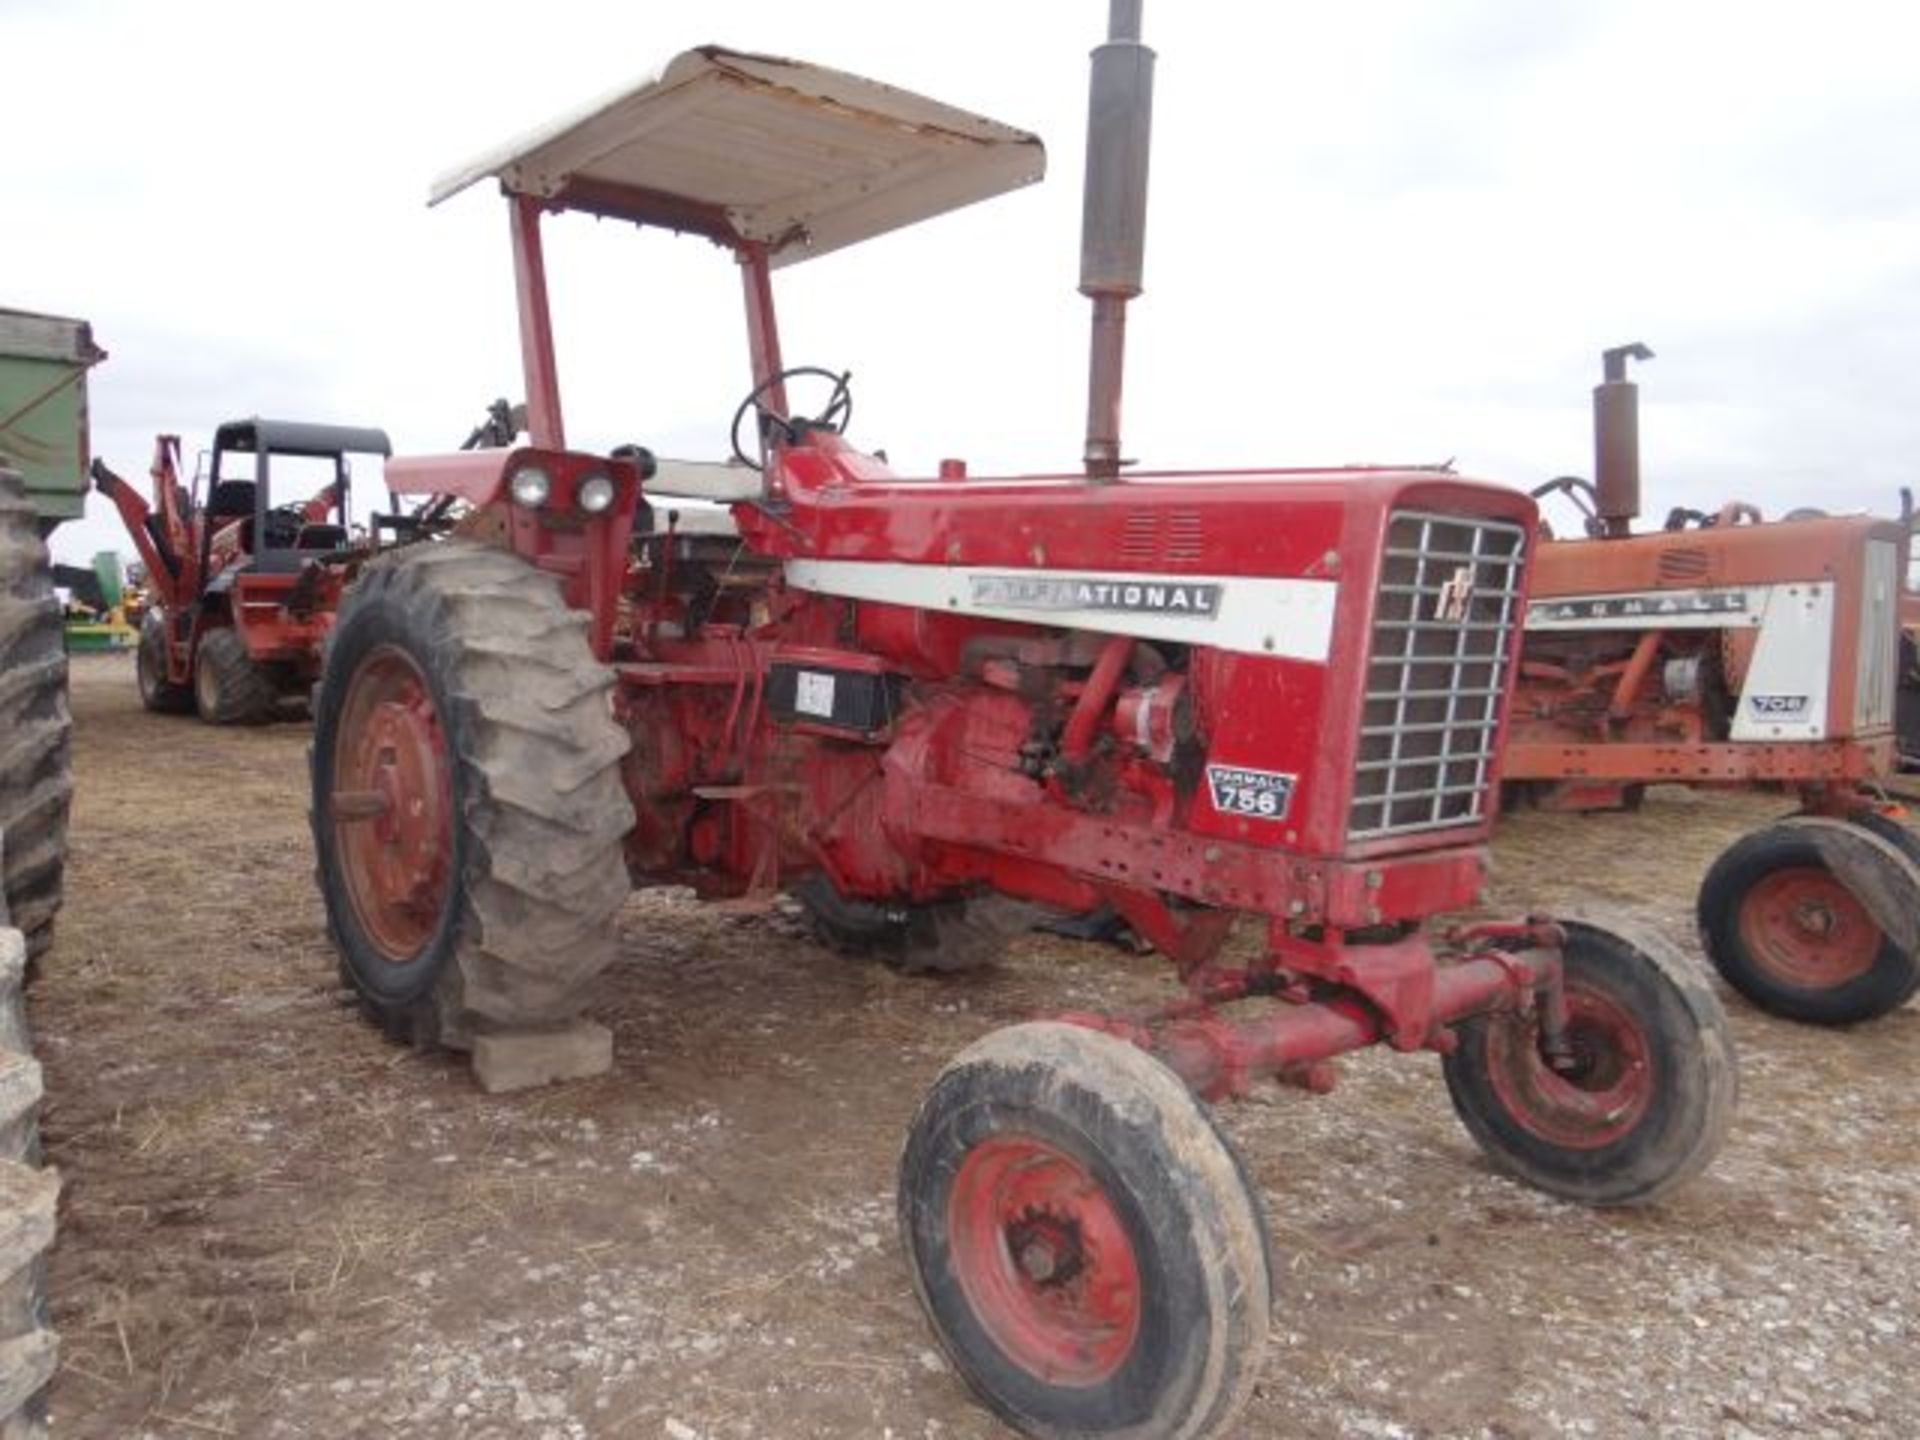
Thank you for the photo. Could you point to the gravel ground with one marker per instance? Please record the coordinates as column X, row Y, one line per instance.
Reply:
column 276, row 1225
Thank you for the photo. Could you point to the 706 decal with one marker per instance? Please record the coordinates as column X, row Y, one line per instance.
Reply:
column 1256, row 794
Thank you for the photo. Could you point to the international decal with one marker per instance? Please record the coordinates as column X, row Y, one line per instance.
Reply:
column 1071, row 592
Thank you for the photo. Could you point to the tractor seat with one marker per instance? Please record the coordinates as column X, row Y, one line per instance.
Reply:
column 321, row 537
column 231, row 499
column 281, row 562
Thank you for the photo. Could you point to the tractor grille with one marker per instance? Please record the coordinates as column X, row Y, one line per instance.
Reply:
column 1877, row 678
column 1436, row 670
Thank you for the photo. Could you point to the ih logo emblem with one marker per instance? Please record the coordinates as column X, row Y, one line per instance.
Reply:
column 1455, row 596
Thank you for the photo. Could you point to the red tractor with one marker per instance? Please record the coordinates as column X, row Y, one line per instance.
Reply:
column 242, row 591
column 939, row 709
column 1725, row 650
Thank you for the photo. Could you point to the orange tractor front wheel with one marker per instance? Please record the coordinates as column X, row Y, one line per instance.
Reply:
column 1813, row 919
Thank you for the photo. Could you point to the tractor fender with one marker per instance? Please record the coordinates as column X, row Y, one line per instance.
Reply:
column 1874, row 871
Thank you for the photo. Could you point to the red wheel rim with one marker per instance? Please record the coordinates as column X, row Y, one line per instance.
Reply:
column 1804, row 928
column 1602, row 1091
column 1044, row 1260
column 392, row 804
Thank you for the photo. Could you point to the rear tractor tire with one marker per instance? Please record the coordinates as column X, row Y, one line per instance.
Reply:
column 1788, row 915
column 1083, row 1240
column 1648, row 1096
column 468, row 813
column 942, row 937
column 28, row 1193
column 228, row 687
column 36, row 768
column 157, row 693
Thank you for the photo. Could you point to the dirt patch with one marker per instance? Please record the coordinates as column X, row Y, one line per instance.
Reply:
column 277, row 1225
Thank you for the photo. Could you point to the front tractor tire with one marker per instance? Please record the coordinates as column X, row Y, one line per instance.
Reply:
column 1644, row 1099
column 1791, row 918
column 36, row 769
column 157, row 692
column 468, row 813
column 1083, row 1240
column 229, row 688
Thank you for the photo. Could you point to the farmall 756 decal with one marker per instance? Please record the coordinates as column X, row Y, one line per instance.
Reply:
column 1256, row 794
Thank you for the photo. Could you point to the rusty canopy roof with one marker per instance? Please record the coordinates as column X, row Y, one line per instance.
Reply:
column 742, row 147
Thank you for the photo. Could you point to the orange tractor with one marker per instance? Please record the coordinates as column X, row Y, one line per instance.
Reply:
column 243, row 591
column 1724, row 649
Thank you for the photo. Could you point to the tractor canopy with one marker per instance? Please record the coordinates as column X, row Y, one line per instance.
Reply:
column 282, row 539
column 297, row 437
column 756, row 150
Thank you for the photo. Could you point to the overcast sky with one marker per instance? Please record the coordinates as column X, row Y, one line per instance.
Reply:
column 1378, row 232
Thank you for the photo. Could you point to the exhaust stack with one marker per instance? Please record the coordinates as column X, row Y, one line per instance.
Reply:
column 1113, row 220
column 1616, row 439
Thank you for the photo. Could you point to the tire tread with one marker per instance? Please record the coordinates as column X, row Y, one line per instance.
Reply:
column 36, row 765
column 545, row 813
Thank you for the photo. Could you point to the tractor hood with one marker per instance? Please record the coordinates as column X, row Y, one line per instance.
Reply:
column 757, row 149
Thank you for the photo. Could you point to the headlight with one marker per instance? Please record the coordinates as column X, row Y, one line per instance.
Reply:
column 530, row 486
column 594, row 494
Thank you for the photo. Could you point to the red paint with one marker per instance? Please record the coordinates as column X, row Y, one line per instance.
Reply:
column 763, row 326
column 282, row 617
column 1598, row 1096
column 1222, row 1059
column 1062, row 767
column 1095, row 700
column 393, row 804
column 1805, row 928
column 1592, row 712
column 539, row 367
column 1045, row 1260
column 587, row 552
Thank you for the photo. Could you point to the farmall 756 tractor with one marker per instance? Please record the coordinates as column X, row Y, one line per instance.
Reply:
column 242, row 590
column 1271, row 695
column 1728, row 650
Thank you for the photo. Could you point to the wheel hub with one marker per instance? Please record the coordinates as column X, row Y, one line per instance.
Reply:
column 1806, row 928
column 1589, row 1094
column 1047, row 1249
column 1045, row 1260
column 392, row 804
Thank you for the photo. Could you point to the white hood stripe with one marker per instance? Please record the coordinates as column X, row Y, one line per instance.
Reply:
column 1255, row 615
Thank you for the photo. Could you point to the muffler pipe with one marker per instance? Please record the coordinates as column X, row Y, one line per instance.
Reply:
column 1113, row 220
column 1616, row 439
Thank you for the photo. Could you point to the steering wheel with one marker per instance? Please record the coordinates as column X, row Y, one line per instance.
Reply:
column 835, row 417
column 1585, row 498
column 283, row 526
column 1734, row 512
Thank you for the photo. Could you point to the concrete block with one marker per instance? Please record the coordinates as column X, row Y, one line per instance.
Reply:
column 506, row 1060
